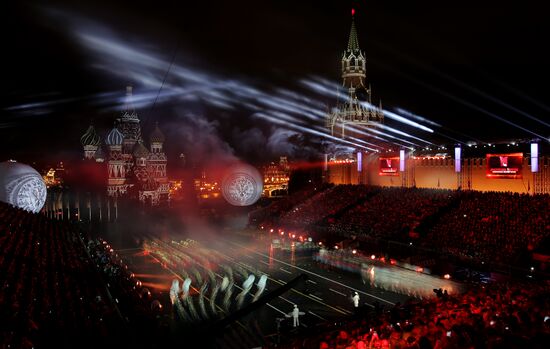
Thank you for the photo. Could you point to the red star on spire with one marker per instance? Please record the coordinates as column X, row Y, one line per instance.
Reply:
column 352, row 11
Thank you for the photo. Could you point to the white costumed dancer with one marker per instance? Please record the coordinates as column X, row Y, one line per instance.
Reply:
column 174, row 291
column 356, row 300
column 295, row 314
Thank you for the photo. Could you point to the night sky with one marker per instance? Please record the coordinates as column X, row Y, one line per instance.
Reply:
column 454, row 63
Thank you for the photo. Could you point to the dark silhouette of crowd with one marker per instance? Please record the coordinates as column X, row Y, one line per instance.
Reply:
column 501, row 315
column 60, row 288
column 51, row 293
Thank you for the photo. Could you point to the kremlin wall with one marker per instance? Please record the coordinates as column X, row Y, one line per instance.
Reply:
column 439, row 172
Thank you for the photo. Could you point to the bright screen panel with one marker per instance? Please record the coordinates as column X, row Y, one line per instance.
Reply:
column 504, row 165
column 389, row 166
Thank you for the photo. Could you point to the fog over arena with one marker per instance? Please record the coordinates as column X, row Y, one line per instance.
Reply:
column 275, row 174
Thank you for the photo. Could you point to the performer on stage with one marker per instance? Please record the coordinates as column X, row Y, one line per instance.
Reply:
column 295, row 314
column 356, row 300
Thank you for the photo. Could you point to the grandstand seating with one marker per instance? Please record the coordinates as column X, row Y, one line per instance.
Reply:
column 500, row 316
column 494, row 226
column 51, row 292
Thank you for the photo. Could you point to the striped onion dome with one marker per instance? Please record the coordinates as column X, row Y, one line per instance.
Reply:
column 90, row 137
column 157, row 136
column 140, row 151
column 115, row 137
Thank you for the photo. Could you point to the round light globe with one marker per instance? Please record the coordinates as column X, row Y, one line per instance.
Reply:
column 22, row 186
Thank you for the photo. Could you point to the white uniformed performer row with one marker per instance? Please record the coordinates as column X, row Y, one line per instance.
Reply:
column 356, row 300
column 174, row 290
column 295, row 314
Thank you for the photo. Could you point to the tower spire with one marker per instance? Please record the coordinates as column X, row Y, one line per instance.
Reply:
column 353, row 42
column 129, row 106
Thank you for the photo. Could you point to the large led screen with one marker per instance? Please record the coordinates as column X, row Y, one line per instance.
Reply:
column 389, row 166
column 504, row 165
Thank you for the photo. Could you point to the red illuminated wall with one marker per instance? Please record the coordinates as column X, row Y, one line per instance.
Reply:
column 439, row 173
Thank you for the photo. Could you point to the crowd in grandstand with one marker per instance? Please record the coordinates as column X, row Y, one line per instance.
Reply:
column 394, row 212
column 496, row 316
column 50, row 289
column 490, row 226
column 493, row 226
column 326, row 203
column 60, row 288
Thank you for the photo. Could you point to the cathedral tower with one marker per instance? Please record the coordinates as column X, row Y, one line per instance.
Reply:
column 157, row 163
column 129, row 124
column 117, row 172
column 357, row 110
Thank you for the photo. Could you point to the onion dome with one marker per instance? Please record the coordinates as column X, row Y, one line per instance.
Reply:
column 115, row 137
column 140, row 151
column 90, row 137
column 157, row 136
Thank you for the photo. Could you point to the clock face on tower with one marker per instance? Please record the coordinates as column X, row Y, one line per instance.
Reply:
column 242, row 186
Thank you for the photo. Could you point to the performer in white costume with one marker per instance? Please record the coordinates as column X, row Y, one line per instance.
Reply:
column 356, row 300
column 295, row 314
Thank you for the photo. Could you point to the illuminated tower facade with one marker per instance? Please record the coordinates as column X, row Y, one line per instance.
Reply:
column 356, row 111
column 133, row 169
column 128, row 124
column 117, row 171
column 156, row 163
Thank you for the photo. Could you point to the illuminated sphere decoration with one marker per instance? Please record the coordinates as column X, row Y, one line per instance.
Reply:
column 22, row 186
column 242, row 185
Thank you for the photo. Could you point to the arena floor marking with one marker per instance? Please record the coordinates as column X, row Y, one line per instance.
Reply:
column 340, row 293
column 286, row 271
column 280, row 311
column 286, row 300
column 312, row 273
column 320, row 317
column 314, row 296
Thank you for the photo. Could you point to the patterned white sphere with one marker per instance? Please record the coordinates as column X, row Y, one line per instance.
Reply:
column 22, row 186
column 242, row 185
